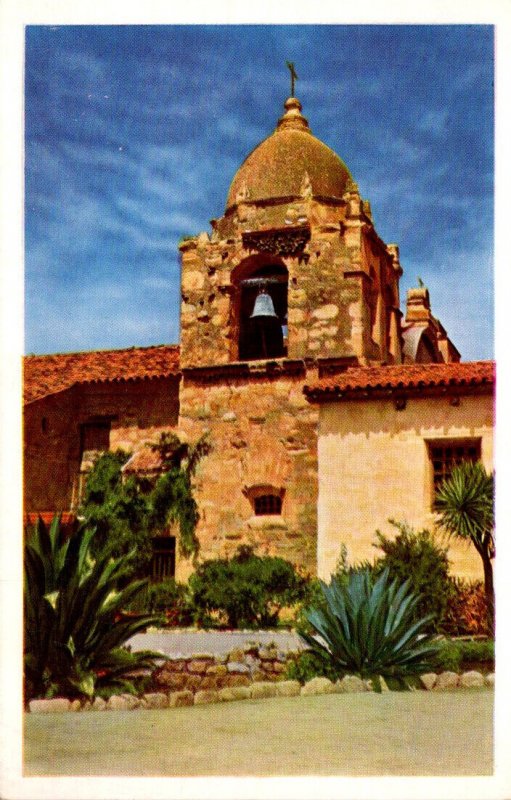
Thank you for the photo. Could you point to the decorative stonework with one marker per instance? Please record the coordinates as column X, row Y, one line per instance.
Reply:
column 283, row 242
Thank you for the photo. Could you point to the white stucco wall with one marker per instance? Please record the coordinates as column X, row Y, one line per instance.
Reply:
column 374, row 466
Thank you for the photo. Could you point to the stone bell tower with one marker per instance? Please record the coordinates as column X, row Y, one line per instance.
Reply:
column 293, row 282
column 296, row 229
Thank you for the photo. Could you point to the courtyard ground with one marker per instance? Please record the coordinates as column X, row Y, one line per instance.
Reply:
column 409, row 733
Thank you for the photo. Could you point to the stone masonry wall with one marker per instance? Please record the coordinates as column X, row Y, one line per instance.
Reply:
column 343, row 293
column 263, row 433
column 138, row 411
column 205, row 671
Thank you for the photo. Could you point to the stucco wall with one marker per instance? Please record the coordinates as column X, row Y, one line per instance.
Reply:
column 374, row 466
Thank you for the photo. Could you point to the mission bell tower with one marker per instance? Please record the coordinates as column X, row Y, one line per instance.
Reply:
column 293, row 283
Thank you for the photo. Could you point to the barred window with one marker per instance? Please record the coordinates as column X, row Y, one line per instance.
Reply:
column 447, row 454
column 163, row 562
column 267, row 504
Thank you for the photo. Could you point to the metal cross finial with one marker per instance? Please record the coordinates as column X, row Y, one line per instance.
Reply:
column 294, row 76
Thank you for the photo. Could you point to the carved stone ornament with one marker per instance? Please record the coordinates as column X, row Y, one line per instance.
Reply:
column 280, row 241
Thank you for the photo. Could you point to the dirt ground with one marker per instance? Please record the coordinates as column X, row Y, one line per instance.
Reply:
column 410, row 733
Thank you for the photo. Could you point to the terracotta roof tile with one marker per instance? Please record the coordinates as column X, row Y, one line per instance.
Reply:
column 49, row 374
column 357, row 381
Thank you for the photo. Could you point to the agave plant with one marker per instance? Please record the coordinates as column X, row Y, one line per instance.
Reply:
column 73, row 633
column 366, row 627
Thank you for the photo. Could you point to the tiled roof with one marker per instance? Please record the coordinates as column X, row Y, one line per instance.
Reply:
column 362, row 381
column 45, row 375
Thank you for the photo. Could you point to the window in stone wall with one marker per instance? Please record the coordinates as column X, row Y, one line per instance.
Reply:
column 94, row 440
column 163, row 562
column 267, row 504
column 95, row 436
column 445, row 454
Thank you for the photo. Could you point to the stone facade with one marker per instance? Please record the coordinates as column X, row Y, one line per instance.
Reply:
column 263, row 435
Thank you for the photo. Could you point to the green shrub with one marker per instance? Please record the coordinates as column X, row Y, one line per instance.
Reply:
column 168, row 598
column 73, row 631
column 310, row 665
column 417, row 557
column 128, row 511
column 368, row 627
column 247, row 591
column 457, row 655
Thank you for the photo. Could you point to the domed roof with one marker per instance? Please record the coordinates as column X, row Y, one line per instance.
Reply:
column 288, row 162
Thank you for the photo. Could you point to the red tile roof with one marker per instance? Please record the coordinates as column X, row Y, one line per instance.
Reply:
column 45, row 375
column 362, row 381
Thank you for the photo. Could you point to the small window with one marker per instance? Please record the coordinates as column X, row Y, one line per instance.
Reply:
column 267, row 504
column 163, row 562
column 44, row 425
column 447, row 454
column 95, row 436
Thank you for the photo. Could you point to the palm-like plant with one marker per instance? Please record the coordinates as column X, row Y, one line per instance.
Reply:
column 465, row 505
column 73, row 634
column 366, row 627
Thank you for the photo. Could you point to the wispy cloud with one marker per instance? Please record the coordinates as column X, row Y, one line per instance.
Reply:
column 133, row 136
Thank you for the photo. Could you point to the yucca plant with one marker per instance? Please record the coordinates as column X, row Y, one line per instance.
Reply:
column 73, row 634
column 366, row 627
column 465, row 506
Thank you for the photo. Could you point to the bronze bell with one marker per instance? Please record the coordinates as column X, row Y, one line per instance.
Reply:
column 263, row 306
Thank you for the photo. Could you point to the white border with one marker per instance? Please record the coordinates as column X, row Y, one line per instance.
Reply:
column 14, row 14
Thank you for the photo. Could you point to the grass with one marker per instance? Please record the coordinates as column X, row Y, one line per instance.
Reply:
column 409, row 733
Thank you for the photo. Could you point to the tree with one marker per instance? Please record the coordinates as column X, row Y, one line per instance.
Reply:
column 465, row 505
column 128, row 511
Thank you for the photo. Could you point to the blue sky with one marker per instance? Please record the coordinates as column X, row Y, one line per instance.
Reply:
column 133, row 134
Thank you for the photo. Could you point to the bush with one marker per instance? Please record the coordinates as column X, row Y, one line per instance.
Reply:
column 128, row 511
column 310, row 665
column 73, row 632
column 459, row 655
column 417, row 557
column 247, row 591
column 168, row 598
column 467, row 609
column 368, row 627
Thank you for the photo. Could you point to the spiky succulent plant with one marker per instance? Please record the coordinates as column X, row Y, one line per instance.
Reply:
column 365, row 627
column 73, row 632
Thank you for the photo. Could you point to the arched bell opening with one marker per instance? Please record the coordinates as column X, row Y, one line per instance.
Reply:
column 262, row 310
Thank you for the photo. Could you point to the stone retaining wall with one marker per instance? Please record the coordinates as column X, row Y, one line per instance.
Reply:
column 258, row 690
column 240, row 667
column 254, row 672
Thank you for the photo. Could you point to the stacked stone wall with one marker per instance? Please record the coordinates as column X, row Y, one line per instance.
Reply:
column 263, row 433
column 205, row 672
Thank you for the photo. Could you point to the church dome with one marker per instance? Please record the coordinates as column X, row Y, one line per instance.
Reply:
column 287, row 163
